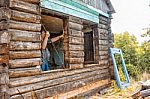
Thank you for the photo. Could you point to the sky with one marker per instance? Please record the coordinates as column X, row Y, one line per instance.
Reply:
column 132, row 16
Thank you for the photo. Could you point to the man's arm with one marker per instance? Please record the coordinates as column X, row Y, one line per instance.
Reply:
column 44, row 43
column 57, row 38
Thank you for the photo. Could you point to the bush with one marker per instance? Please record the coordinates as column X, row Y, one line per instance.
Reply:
column 133, row 70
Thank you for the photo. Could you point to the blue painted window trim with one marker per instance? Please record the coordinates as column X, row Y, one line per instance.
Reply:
column 65, row 8
column 120, row 84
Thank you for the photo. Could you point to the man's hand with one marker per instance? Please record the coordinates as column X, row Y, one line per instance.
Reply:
column 47, row 34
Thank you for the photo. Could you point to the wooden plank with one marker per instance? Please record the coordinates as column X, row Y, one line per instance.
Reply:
column 24, row 6
column 76, row 40
column 75, row 20
column 76, row 54
column 24, row 63
column 43, row 77
column 24, row 54
column 105, row 57
column 75, row 26
column 101, row 53
column 4, row 79
column 4, row 13
column 103, row 48
column 32, row 1
column 103, row 18
column 27, row 36
column 4, row 37
column 22, row 72
column 26, row 17
column 24, row 46
column 102, row 26
column 54, row 82
column 76, row 65
column 76, row 33
column 103, row 31
column 4, row 3
column 76, row 47
column 4, row 49
column 103, row 62
column 103, row 36
column 24, row 26
column 3, row 69
column 50, row 91
column 84, row 89
column 4, row 25
column 103, row 42
column 76, row 60
column 4, row 59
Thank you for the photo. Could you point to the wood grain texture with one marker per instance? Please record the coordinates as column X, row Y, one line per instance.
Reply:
column 24, row 54
column 32, row 1
column 4, row 59
column 75, row 26
column 4, row 49
column 5, row 13
column 24, row 6
column 73, row 47
column 43, row 77
column 75, row 33
column 18, row 63
column 24, row 26
column 4, row 37
column 4, row 25
column 76, row 40
column 24, row 46
column 26, row 36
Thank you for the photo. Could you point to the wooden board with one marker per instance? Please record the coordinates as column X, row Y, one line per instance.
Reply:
column 103, row 42
column 4, row 13
column 103, row 48
column 4, row 25
column 61, row 88
column 4, row 37
column 4, row 59
column 54, row 82
column 24, row 6
column 32, row 1
column 27, row 36
column 18, row 63
column 22, row 72
column 101, row 53
column 4, row 49
column 75, row 26
column 24, row 46
column 24, row 26
column 76, row 47
column 76, row 60
column 75, row 20
column 76, row 33
column 44, row 75
column 76, row 40
column 76, row 65
column 26, row 17
column 76, row 54
column 24, row 54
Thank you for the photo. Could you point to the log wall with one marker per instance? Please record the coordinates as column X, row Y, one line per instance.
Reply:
column 20, row 44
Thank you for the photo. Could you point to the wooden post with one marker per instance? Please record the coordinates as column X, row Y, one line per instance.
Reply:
column 4, row 50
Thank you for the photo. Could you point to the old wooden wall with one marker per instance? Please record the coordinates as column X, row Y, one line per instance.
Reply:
column 20, row 44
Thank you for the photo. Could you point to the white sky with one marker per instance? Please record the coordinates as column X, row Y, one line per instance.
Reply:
column 132, row 16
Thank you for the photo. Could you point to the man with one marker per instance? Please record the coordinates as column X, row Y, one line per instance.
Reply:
column 45, row 51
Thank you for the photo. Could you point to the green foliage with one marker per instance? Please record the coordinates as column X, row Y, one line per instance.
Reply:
column 137, row 58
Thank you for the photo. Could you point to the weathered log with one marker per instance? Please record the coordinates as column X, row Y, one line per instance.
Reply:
column 4, row 79
column 93, row 87
column 103, row 31
column 75, row 20
column 43, row 77
column 17, row 35
column 4, row 3
column 25, row 26
column 4, row 37
column 4, row 59
column 76, row 40
column 105, row 57
column 26, row 17
column 76, row 47
column 75, row 65
column 103, row 42
column 4, row 25
column 24, row 54
column 50, row 91
column 24, row 63
column 24, row 46
column 24, row 6
column 102, row 26
column 145, row 93
column 103, row 48
column 101, row 53
column 103, row 62
column 75, row 54
column 76, row 60
column 21, row 72
column 103, row 36
column 32, row 1
column 76, row 33
column 58, row 81
column 103, row 18
column 3, row 69
column 75, row 26
column 4, row 49
column 4, row 13
column 103, row 22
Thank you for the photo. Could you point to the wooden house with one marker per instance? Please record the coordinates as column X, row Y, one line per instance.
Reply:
column 87, row 38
